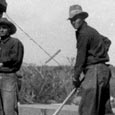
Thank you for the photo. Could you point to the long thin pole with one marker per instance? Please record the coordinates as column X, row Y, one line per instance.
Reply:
column 64, row 102
column 32, row 39
column 71, row 93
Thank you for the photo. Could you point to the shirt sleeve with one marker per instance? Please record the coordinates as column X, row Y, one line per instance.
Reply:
column 107, row 42
column 13, row 62
column 82, row 44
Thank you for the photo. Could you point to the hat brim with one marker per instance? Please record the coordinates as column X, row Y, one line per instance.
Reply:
column 10, row 25
column 81, row 15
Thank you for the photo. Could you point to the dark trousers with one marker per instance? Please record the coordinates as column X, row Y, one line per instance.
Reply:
column 96, row 91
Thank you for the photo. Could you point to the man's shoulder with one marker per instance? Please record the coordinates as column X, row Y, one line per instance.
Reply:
column 15, row 40
column 91, row 29
column 88, row 30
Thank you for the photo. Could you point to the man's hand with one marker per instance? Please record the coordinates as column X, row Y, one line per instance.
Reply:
column 76, row 82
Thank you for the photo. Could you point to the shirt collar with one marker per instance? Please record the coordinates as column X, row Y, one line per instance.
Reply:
column 82, row 27
column 5, row 39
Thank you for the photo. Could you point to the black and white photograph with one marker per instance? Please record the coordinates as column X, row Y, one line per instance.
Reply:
column 57, row 57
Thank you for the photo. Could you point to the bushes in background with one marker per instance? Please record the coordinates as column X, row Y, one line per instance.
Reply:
column 44, row 84
column 48, row 84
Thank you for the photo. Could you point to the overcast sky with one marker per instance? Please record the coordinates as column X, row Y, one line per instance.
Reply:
column 46, row 22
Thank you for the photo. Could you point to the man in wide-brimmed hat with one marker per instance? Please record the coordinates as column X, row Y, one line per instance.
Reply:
column 92, row 55
column 11, row 57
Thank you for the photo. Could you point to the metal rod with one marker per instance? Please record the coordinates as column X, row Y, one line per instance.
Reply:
column 64, row 102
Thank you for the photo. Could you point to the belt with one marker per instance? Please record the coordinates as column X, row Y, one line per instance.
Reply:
column 93, row 65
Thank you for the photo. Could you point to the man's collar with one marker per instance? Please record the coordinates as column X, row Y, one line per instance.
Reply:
column 5, row 39
column 84, row 24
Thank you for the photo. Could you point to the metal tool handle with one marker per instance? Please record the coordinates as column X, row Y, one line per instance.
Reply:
column 64, row 102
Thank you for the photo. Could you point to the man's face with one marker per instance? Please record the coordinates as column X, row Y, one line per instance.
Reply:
column 4, row 30
column 76, row 23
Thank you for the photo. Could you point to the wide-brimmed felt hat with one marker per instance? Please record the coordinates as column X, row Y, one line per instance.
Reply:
column 5, row 21
column 75, row 11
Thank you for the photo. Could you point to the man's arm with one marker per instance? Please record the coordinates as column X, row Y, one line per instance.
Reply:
column 13, row 62
column 82, row 45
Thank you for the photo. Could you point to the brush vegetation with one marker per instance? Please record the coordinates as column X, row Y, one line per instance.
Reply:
column 48, row 84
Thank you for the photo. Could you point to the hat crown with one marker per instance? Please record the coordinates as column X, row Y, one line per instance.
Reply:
column 76, row 10
column 5, row 20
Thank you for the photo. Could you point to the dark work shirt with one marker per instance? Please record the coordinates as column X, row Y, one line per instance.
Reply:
column 92, row 48
column 11, row 55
